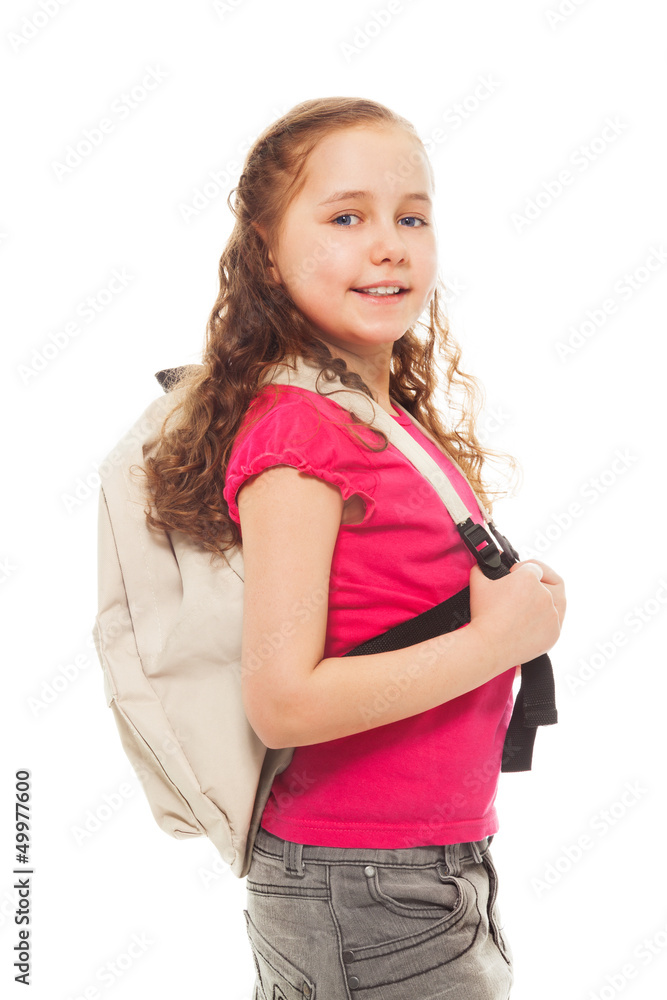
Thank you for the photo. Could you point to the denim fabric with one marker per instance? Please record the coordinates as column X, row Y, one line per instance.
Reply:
column 339, row 923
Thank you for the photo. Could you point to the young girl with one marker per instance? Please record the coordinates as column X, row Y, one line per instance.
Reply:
column 371, row 873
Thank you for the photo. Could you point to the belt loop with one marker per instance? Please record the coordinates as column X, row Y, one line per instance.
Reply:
column 293, row 858
column 475, row 851
column 453, row 858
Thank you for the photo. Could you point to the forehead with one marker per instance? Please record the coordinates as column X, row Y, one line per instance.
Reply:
column 380, row 160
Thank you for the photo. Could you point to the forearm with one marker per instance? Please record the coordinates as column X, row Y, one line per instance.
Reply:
column 344, row 695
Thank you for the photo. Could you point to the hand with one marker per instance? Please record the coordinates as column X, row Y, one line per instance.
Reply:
column 548, row 578
column 519, row 616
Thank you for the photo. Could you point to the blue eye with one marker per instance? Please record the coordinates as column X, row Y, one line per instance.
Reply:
column 408, row 218
column 347, row 216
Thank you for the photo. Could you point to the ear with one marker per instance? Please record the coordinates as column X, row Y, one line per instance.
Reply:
column 274, row 274
column 260, row 229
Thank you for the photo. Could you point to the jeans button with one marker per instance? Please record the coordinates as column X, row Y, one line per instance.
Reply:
column 353, row 982
column 348, row 956
column 306, row 990
column 369, row 870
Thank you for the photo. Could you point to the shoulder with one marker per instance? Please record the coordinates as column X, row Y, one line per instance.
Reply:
column 294, row 416
column 287, row 425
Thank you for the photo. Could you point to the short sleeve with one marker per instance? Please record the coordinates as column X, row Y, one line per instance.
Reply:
column 296, row 428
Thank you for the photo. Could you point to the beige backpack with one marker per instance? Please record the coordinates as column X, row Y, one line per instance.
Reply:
column 168, row 636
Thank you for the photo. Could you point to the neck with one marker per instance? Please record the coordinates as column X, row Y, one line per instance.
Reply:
column 373, row 367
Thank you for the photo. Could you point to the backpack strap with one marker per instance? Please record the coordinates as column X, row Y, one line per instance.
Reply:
column 535, row 703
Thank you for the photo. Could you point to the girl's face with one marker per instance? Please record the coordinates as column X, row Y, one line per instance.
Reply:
column 363, row 219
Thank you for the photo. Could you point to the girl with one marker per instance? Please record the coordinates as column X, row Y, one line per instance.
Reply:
column 371, row 873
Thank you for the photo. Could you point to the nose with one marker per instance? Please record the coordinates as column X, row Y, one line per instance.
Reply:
column 387, row 244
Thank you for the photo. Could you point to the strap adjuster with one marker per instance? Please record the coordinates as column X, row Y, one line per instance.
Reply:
column 480, row 543
column 510, row 554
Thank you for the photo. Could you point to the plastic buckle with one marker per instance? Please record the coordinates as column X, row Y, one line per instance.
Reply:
column 510, row 554
column 480, row 543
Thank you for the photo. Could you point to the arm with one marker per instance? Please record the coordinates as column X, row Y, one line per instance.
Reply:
column 294, row 697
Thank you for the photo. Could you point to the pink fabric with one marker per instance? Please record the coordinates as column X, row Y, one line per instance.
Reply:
column 428, row 779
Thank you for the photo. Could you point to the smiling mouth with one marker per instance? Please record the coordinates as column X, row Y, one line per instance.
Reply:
column 382, row 292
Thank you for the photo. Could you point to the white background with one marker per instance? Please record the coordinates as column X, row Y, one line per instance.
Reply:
column 576, row 921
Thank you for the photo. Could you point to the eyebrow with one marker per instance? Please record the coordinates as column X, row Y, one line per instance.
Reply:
column 345, row 195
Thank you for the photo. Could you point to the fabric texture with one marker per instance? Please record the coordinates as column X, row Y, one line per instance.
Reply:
column 419, row 923
column 428, row 779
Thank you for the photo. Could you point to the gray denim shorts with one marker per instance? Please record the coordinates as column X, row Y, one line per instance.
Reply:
column 328, row 923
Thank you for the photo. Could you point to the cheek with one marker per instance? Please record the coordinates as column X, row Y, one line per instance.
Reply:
column 311, row 293
column 322, row 267
column 428, row 265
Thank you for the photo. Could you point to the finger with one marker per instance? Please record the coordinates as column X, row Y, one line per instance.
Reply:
column 549, row 575
column 532, row 567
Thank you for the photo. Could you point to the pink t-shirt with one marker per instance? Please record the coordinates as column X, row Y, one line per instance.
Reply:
column 428, row 779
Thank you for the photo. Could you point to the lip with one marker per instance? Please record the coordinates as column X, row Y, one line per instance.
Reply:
column 381, row 284
column 383, row 301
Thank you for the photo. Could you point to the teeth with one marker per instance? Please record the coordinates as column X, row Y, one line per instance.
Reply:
column 383, row 290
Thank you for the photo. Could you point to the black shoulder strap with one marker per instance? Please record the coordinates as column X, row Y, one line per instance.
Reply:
column 535, row 704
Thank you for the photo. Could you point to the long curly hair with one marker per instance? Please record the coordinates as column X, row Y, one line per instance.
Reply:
column 255, row 325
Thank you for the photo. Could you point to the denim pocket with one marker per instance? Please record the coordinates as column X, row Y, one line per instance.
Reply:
column 415, row 893
column 278, row 978
column 403, row 917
